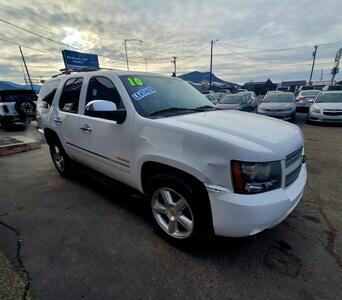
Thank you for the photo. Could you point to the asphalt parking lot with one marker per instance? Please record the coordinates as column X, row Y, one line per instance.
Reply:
column 83, row 240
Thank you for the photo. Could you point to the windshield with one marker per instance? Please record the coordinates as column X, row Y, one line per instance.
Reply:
column 281, row 97
column 232, row 99
column 310, row 93
column 329, row 97
column 157, row 96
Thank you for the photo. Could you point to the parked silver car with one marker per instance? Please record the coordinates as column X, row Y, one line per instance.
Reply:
column 250, row 95
column 326, row 108
column 237, row 102
column 279, row 105
column 305, row 99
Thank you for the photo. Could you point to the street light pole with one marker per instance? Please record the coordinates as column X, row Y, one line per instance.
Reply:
column 125, row 42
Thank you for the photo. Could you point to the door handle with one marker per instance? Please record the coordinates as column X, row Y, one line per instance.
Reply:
column 57, row 120
column 85, row 127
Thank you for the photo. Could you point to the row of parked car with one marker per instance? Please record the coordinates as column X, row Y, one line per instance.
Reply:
column 322, row 106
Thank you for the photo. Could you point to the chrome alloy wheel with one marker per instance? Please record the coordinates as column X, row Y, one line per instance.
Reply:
column 58, row 158
column 172, row 213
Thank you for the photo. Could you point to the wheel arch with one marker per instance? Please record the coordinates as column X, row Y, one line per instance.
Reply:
column 50, row 135
column 151, row 168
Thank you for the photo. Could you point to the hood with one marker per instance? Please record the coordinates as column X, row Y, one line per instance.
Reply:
column 277, row 105
column 227, row 106
column 329, row 105
column 267, row 138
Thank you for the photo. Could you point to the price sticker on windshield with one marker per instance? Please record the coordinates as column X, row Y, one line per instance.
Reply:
column 135, row 81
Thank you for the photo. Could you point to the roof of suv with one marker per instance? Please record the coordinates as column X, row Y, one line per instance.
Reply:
column 105, row 71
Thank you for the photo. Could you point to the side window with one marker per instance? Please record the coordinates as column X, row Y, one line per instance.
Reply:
column 47, row 93
column 71, row 95
column 102, row 88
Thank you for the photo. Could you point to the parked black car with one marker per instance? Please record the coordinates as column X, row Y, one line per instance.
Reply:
column 17, row 106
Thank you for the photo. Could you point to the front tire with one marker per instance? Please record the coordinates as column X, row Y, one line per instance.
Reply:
column 60, row 158
column 181, row 211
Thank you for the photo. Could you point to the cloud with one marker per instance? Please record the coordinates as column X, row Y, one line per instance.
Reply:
column 176, row 28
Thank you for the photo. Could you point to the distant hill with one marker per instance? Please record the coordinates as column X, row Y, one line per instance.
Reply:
column 199, row 77
column 8, row 85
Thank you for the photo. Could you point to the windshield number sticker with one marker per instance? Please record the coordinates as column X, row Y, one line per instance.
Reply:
column 143, row 93
column 133, row 81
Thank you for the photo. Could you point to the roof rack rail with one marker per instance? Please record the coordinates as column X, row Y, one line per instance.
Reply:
column 69, row 71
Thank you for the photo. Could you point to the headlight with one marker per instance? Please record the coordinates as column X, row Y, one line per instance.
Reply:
column 253, row 178
column 317, row 110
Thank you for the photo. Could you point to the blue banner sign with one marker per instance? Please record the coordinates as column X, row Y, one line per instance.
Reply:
column 75, row 60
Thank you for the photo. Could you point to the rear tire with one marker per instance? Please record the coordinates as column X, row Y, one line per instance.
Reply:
column 180, row 210
column 59, row 158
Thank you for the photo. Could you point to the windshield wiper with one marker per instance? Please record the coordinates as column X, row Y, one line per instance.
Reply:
column 171, row 109
column 205, row 108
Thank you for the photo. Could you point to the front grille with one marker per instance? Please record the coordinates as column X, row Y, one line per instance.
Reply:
column 293, row 157
column 292, row 176
column 332, row 113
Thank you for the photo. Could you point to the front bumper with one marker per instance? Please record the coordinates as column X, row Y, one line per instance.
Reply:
column 284, row 115
column 320, row 117
column 237, row 215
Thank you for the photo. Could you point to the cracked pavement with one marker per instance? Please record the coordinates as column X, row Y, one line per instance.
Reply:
column 81, row 239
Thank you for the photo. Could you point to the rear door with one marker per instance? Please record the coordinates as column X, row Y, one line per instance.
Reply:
column 66, row 120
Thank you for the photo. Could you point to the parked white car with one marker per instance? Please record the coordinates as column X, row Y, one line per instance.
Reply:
column 326, row 108
column 203, row 170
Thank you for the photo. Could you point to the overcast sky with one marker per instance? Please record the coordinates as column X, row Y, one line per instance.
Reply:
column 248, row 32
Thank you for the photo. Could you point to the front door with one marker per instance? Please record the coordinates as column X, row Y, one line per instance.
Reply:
column 106, row 146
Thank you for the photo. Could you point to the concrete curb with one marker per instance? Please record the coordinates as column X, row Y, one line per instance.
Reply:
column 17, row 144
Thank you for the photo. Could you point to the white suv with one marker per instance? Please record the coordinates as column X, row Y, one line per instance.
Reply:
column 203, row 170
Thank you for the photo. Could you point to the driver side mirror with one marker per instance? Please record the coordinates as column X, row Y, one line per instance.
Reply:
column 105, row 110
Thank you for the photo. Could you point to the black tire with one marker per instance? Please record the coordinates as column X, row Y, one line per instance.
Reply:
column 60, row 159
column 199, row 209
column 25, row 108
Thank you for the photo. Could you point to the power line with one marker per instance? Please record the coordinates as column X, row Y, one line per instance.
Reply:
column 279, row 49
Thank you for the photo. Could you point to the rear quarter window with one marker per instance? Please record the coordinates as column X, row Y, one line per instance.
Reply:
column 47, row 93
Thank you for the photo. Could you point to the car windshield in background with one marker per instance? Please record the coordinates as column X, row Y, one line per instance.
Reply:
column 313, row 93
column 161, row 96
column 329, row 97
column 232, row 99
column 281, row 97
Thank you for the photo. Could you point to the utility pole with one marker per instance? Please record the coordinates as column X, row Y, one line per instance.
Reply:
column 125, row 41
column 22, row 69
column 129, row 40
column 313, row 63
column 28, row 74
column 211, row 63
column 175, row 68
column 321, row 75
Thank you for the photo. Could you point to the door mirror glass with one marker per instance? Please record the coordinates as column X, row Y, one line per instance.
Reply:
column 105, row 110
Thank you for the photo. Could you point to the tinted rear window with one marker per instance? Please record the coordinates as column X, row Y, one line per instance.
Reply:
column 14, row 97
